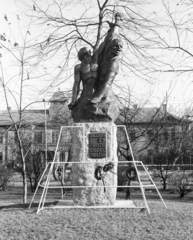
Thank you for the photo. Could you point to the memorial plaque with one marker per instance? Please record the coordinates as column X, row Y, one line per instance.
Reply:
column 97, row 145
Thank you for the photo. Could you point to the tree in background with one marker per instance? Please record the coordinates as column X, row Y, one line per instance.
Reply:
column 5, row 176
column 15, row 86
column 180, row 182
column 171, row 147
column 138, row 120
column 35, row 161
column 175, row 46
column 157, row 137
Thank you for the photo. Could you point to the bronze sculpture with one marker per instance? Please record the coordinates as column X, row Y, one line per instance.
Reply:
column 86, row 72
column 97, row 101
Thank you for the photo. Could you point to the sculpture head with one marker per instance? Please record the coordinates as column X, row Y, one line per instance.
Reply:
column 84, row 52
column 116, row 47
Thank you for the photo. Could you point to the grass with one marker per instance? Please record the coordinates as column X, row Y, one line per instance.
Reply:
column 19, row 222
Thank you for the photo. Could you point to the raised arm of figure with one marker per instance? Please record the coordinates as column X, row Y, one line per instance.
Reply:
column 114, row 29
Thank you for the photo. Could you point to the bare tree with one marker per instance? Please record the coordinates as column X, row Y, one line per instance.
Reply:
column 35, row 162
column 174, row 47
column 138, row 120
column 180, row 183
column 15, row 85
column 157, row 138
column 171, row 147
column 65, row 33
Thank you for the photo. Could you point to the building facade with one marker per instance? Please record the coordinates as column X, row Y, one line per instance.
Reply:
column 156, row 135
column 153, row 132
column 38, row 129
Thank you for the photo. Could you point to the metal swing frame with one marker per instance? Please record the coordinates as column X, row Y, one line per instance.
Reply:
column 68, row 203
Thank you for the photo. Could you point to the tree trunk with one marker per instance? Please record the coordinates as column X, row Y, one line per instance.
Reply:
column 24, row 174
column 24, row 187
column 182, row 194
column 164, row 184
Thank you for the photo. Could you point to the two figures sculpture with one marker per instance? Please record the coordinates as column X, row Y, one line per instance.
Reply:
column 97, row 71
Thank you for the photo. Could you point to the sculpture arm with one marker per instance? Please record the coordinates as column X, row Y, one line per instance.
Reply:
column 112, row 33
column 76, row 86
column 114, row 29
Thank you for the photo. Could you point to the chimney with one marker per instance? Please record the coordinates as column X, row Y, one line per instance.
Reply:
column 164, row 108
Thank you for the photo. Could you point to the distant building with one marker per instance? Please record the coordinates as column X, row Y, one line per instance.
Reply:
column 154, row 131
column 35, row 123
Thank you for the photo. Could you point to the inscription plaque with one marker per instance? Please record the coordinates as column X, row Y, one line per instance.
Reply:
column 97, row 145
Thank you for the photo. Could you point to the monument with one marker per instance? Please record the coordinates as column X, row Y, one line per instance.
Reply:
column 95, row 109
column 93, row 139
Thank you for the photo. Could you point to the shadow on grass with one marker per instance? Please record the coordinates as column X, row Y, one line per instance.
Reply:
column 24, row 205
column 153, row 195
column 12, row 197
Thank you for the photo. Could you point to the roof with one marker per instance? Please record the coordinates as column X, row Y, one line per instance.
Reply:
column 147, row 115
column 28, row 116
column 130, row 115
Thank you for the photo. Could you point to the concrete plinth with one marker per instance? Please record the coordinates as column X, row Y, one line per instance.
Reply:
column 95, row 143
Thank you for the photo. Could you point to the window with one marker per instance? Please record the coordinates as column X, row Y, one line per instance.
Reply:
column 150, row 152
column 66, row 137
column 15, row 137
column 38, row 137
column 50, row 156
column 1, row 137
column 149, row 133
column 165, row 134
column 1, row 157
column 55, row 135
column 166, row 151
column 20, row 133
column 132, row 135
column 64, row 156
column 172, row 134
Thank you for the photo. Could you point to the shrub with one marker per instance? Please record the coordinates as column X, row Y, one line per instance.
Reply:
column 35, row 165
column 122, row 179
column 5, row 177
column 162, row 175
column 179, row 182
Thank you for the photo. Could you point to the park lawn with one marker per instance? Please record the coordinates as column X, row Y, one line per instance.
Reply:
column 19, row 222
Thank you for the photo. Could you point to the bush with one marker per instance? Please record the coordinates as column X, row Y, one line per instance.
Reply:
column 179, row 182
column 122, row 179
column 162, row 175
column 35, row 165
column 5, row 177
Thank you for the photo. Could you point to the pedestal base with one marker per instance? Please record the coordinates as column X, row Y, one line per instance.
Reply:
column 85, row 148
column 117, row 204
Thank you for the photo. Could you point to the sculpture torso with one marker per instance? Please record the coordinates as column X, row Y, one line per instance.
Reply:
column 88, row 74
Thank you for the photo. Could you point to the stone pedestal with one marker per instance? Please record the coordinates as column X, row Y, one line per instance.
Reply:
column 95, row 143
